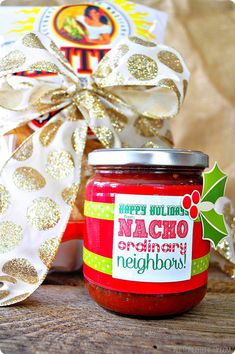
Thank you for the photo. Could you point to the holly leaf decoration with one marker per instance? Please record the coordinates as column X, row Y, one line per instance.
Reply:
column 213, row 226
column 213, row 185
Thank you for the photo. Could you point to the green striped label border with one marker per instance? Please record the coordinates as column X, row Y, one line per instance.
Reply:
column 99, row 263
column 104, row 211
column 104, row 264
column 199, row 265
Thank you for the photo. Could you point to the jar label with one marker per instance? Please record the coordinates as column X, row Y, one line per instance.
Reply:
column 147, row 243
column 152, row 239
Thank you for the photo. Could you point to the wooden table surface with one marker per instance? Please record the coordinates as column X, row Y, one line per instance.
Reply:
column 61, row 318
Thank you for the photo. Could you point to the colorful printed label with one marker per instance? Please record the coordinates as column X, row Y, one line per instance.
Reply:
column 152, row 239
column 84, row 32
column 146, row 244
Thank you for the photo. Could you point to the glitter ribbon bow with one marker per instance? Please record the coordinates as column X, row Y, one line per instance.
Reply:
column 126, row 102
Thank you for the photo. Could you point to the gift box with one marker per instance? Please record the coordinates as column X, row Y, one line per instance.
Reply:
column 84, row 33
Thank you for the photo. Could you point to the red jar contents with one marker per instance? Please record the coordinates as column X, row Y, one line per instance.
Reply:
column 143, row 249
column 74, row 230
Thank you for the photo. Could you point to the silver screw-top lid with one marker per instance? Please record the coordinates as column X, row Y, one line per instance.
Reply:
column 148, row 157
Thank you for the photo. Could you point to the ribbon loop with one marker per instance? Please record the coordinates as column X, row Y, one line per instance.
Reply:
column 151, row 78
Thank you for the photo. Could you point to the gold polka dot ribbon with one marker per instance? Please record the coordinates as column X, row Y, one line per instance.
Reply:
column 127, row 101
column 104, row 264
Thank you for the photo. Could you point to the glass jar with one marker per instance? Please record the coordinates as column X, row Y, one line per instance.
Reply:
column 143, row 249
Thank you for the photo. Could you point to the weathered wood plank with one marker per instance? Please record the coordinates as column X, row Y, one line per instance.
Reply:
column 71, row 278
column 64, row 319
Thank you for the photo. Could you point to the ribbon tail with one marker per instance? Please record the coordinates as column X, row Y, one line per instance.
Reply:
column 38, row 188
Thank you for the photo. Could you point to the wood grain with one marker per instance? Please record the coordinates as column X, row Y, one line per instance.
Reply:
column 63, row 319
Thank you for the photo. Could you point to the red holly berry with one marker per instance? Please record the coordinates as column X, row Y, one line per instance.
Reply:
column 195, row 197
column 187, row 202
column 193, row 212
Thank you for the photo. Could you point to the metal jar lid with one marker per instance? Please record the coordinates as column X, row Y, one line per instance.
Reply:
column 148, row 157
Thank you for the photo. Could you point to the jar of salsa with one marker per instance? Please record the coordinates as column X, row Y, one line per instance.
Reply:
column 143, row 249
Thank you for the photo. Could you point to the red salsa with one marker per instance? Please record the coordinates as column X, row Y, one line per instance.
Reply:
column 143, row 249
